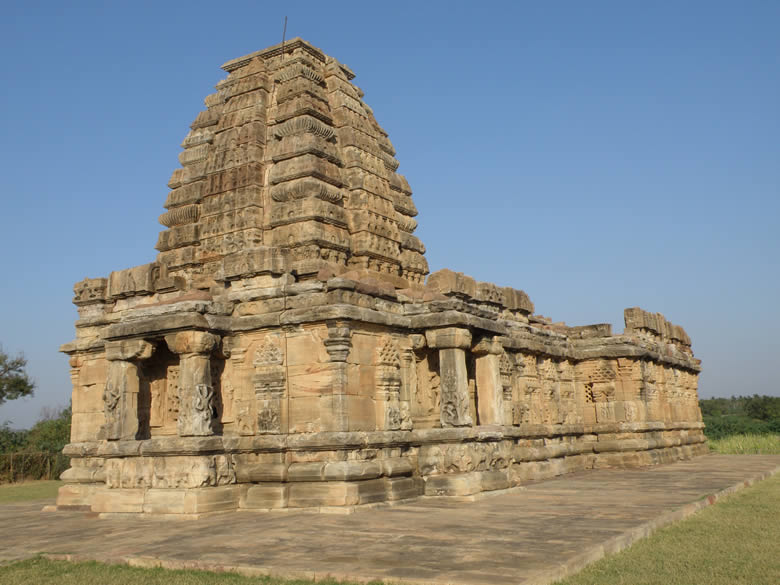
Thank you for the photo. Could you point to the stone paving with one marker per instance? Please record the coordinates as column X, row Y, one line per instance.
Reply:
column 528, row 536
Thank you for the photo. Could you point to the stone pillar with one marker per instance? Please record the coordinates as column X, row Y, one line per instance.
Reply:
column 196, row 393
column 490, row 393
column 506, row 368
column 408, row 386
column 451, row 342
column 338, row 345
column 120, row 398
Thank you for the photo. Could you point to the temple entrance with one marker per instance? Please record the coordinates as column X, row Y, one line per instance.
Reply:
column 158, row 397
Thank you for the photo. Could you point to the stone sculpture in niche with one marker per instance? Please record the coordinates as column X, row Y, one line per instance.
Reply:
column 285, row 348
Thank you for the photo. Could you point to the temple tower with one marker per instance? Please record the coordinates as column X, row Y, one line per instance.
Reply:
column 288, row 156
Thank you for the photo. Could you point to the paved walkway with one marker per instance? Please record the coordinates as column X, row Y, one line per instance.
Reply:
column 528, row 536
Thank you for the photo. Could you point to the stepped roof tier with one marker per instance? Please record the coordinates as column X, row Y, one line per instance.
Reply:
column 287, row 156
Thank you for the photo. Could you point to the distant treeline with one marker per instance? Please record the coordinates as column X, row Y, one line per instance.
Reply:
column 35, row 453
column 740, row 415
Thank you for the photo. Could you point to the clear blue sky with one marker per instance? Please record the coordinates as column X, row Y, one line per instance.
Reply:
column 598, row 155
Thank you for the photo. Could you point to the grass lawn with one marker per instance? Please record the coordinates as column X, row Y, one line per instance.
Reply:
column 28, row 491
column 768, row 444
column 45, row 572
column 734, row 542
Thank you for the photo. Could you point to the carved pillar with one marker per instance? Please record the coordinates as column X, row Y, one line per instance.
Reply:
column 569, row 412
column 490, row 391
column 196, row 392
column 337, row 344
column 649, row 391
column 521, row 409
column 120, row 398
column 506, row 368
column 451, row 342
column 408, row 386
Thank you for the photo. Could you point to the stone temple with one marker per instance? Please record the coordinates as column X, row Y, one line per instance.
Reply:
column 286, row 349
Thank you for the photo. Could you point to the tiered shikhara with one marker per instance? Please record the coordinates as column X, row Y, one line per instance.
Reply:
column 285, row 349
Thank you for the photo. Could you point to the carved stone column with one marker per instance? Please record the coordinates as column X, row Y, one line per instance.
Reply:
column 490, row 392
column 506, row 368
column 451, row 343
column 120, row 399
column 196, row 392
column 408, row 386
column 337, row 344
column 648, row 391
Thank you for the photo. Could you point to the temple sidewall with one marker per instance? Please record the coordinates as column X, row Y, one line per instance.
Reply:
column 346, row 413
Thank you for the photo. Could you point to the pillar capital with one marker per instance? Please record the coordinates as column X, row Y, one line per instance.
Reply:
column 488, row 346
column 186, row 342
column 129, row 349
column 448, row 338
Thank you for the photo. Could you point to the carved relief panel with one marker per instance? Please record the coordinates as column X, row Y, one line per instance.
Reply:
column 506, row 368
column 600, row 388
column 527, row 389
column 426, row 397
column 270, row 384
column 568, row 405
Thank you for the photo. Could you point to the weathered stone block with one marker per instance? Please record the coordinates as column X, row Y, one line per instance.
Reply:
column 403, row 488
column 313, row 471
column 361, row 413
column 351, row 470
column 372, row 491
column 77, row 495
column 118, row 500
column 455, row 484
column 305, row 413
column 310, row 495
column 254, row 472
column 494, row 480
column 266, row 496
column 312, row 379
column 212, row 499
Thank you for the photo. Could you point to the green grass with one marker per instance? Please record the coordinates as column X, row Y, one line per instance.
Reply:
column 750, row 444
column 42, row 571
column 734, row 542
column 28, row 491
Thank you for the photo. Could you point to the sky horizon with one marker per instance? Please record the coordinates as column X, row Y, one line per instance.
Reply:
column 598, row 156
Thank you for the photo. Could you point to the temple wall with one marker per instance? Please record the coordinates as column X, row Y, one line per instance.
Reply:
column 344, row 413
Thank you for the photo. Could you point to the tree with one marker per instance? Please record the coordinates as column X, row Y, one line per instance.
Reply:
column 51, row 433
column 14, row 381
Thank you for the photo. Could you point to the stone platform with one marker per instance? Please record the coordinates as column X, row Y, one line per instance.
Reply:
column 533, row 535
